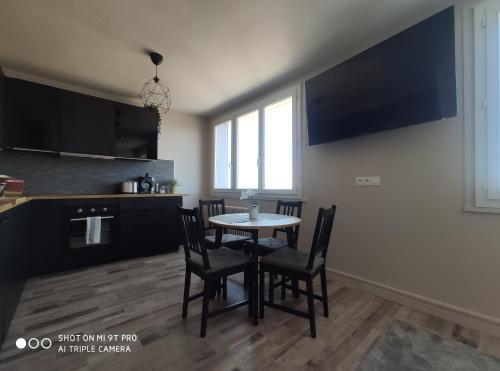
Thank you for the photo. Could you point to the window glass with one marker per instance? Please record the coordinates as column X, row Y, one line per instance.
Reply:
column 222, row 150
column 247, row 147
column 278, row 145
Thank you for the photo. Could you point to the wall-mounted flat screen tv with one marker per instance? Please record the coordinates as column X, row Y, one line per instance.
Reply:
column 405, row 80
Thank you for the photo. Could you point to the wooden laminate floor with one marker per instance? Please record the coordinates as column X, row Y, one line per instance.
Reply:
column 143, row 297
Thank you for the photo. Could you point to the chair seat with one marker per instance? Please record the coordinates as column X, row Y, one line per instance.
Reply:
column 227, row 238
column 220, row 259
column 268, row 245
column 292, row 259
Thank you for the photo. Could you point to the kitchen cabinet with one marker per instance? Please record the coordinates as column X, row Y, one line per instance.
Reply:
column 149, row 226
column 148, row 132
column 135, row 132
column 86, row 124
column 31, row 115
column 40, row 117
column 13, row 263
column 142, row 226
column 5, row 237
column 45, row 249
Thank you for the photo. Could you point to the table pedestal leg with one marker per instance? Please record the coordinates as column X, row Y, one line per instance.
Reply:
column 292, row 244
column 255, row 277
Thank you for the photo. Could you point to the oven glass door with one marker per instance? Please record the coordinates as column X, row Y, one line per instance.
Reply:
column 78, row 233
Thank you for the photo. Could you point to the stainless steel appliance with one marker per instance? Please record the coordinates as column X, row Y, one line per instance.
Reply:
column 128, row 187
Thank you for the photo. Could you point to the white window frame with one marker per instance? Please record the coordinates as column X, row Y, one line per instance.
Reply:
column 296, row 193
column 486, row 104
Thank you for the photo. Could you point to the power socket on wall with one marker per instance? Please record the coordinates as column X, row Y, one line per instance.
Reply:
column 367, row 181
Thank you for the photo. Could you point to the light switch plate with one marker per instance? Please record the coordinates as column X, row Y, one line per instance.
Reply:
column 367, row 181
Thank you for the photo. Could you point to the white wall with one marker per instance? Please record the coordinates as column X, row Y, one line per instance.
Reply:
column 411, row 233
column 183, row 139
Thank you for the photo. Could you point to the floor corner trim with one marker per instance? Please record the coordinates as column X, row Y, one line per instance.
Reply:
column 474, row 320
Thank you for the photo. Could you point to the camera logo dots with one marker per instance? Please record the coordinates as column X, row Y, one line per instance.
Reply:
column 34, row 343
column 21, row 343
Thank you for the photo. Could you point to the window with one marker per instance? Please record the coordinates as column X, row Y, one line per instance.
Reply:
column 247, row 149
column 265, row 147
column 222, row 155
column 487, row 98
column 278, row 147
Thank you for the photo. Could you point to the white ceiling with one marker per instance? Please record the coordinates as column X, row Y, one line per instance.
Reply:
column 216, row 51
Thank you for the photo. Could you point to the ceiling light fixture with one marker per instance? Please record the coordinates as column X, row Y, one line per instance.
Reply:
column 154, row 92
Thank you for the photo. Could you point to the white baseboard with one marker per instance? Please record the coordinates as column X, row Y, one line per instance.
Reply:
column 461, row 316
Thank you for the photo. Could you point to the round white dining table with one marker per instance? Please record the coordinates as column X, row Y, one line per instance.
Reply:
column 264, row 221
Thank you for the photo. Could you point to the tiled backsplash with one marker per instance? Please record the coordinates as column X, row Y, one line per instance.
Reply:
column 46, row 174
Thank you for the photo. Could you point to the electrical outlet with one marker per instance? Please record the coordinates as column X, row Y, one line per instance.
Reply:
column 367, row 181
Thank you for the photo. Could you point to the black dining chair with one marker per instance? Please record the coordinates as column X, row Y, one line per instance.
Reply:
column 267, row 245
column 230, row 238
column 210, row 265
column 302, row 266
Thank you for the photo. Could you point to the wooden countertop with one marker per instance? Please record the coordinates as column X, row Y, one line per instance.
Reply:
column 7, row 203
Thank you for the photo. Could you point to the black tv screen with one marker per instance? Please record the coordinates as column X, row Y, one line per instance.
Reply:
column 405, row 80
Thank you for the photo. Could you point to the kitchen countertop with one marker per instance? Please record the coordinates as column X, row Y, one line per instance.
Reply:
column 7, row 203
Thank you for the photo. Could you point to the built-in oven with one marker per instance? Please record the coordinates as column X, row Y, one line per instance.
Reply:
column 91, row 233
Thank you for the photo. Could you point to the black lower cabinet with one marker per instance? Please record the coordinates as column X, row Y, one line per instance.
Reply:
column 149, row 226
column 137, row 227
column 14, row 226
column 45, row 248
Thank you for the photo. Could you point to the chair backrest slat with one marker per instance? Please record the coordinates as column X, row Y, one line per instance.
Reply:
column 322, row 234
column 209, row 208
column 290, row 208
column 192, row 233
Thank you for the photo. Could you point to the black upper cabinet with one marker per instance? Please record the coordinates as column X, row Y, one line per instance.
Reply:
column 40, row 117
column 31, row 115
column 135, row 132
column 127, row 141
column 148, row 131
column 86, row 124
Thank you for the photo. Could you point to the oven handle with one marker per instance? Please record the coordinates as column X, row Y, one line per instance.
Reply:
column 80, row 219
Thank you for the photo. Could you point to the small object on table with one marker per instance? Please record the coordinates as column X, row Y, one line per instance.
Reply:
column 253, row 209
column 253, row 212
